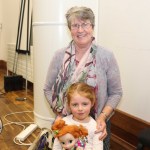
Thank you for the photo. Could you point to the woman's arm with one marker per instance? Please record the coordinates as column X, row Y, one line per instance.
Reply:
column 52, row 73
column 114, row 92
column 114, row 87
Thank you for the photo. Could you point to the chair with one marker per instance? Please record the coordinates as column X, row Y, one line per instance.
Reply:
column 144, row 139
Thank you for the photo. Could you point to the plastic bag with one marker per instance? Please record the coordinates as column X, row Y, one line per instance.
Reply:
column 43, row 142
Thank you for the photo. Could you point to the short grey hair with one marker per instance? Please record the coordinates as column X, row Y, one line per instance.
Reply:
column 83, row 13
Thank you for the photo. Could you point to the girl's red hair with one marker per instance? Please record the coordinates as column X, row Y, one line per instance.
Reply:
column 82, row 89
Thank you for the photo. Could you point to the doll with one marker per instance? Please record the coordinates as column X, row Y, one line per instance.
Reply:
column 71, row 137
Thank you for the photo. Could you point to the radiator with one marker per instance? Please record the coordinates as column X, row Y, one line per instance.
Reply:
column 21, row 66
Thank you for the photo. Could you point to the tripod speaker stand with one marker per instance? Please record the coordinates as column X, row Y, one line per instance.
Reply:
column 28, row 39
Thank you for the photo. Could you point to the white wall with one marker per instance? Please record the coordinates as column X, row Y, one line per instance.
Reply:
column 10, row 13
column 125, row 29
column 1, row 53
column 0, row 10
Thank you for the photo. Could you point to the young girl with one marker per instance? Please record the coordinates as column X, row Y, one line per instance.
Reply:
column 81, row 98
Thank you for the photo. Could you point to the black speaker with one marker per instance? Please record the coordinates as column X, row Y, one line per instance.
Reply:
column 13, row 83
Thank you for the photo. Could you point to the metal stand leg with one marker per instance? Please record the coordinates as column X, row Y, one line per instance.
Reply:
column 27, row 51
column 26, row 82
column 26, row 74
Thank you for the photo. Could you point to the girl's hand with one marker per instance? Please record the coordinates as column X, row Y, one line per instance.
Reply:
column 101, row 127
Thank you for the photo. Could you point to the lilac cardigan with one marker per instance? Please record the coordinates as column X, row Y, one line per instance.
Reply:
column 108, row 77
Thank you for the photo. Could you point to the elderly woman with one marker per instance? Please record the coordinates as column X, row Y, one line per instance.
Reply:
column 84, row 61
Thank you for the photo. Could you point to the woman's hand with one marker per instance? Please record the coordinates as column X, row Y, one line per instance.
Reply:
column 101, row 127
column 101, row 121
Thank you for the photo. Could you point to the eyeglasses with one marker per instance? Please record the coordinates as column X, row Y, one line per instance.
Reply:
column 83, row 25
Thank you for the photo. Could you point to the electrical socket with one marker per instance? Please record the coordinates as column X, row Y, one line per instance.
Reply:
column 25, row 133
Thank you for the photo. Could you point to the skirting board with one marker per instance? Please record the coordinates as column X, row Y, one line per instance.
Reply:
column 125, row 129
column 3, row 64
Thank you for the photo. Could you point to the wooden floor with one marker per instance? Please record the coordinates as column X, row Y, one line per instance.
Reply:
column 9, row 104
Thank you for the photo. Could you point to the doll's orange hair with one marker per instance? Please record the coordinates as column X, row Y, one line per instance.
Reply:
column 61, row 128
